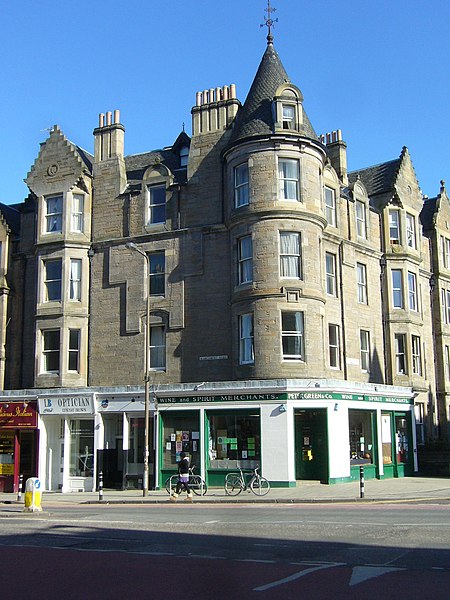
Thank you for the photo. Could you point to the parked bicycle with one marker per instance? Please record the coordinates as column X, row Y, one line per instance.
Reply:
column 235, row 483
column 196, row 483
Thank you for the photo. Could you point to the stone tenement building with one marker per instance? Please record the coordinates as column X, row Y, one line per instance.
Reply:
column 299, row 314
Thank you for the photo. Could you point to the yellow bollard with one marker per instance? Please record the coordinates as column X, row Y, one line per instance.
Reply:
column 33, row 495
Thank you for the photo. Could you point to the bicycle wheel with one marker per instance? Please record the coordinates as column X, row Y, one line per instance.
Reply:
column 168, row 483
column 233, row 484
column 197, row 485
column 260, row 486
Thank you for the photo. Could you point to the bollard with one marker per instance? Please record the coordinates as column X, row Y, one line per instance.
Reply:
column 100, row 486
column 361, row 481
column 33, row 495
column 19, row 491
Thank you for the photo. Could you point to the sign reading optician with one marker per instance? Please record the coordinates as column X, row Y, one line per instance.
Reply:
column 66, row 405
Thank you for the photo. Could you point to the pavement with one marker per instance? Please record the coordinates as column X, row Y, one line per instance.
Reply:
column 384, row 490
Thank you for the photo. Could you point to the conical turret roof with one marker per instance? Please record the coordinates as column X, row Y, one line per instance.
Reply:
column 256, row 118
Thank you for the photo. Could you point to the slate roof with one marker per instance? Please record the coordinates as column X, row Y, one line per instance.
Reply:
column 137, row 164
column 12, row 217
column 255, row 118
column 427, row 213
column 378, row 179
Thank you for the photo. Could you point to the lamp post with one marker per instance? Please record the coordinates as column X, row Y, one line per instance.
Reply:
column 132, row 246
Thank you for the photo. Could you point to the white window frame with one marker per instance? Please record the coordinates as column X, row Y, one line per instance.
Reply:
column 241, row 185
column 446, row 252
column 289, row 183
column 292, row 335
column 77, row 217
column 412, row 292
column 50, row 283
column 330, row 274
column 245, row 259
column 74, row 348
column 157, row 348
column 330, row 206
column 364, row 342
column 401, row 364
column 76, row 268
column 156, row 205
column 416, row 355
column 53, row 213
column 411, row 237
column 246, row 339
column 288, row 113
column 52, row 353
column 360, row 216
column 361, row 274
column 290, row 255
column 397, row 288
column 394, row 226
column 334, row 346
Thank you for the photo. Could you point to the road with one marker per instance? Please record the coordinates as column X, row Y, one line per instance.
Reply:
column 274, row 551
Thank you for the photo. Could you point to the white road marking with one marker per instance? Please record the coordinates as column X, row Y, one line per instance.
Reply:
column 295, row 576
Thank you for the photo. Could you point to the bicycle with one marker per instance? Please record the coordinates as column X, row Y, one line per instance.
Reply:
column 196, row 483
column 235, row 483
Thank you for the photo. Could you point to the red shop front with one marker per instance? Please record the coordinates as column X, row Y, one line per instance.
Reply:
column 19, row 438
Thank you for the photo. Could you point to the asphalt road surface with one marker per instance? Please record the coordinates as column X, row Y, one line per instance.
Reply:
column 201, row 551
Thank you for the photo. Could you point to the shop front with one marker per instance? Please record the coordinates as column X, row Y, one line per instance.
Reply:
column 19, row 442
column 67, row 456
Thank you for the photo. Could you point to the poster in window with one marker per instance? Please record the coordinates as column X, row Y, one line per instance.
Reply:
column 185, row 436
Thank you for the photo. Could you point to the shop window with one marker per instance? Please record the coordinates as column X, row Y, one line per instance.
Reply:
column 136, row 443
column 361, row 437
column 234, row 440
column 7, row 453
column 181, row 433
column 81, row 448
column 386, row 438
column 401, row 439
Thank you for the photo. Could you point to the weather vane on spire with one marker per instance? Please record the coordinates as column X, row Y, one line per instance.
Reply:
column 269, row 22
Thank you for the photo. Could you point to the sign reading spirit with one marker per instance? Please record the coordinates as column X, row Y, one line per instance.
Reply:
column 18, row 415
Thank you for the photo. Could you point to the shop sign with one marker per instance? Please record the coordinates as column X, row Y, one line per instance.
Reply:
column 18, row 415
column 63, row 405
column 6, row 469
column 309, row 395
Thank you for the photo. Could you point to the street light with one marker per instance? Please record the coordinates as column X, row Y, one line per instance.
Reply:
column 132, row 246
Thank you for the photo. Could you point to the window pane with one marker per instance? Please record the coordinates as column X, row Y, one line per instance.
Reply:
column 157, row 204
column 77, row 212
column 75, row 279
column 53, row 280
column 290, row 254
column 292, row 335
column 241, row 185
column 397, row 288
column 246, row 354
column 330, row 206
column 245, row 259
column 234, row 440
column 81, row 448
column 361, row 436
column 288, row 172
column 157, row 347
column 51, row 350
column 53, row 214
column 157, row 274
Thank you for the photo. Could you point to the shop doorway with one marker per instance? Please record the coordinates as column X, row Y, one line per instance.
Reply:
column 27, row 455
column 311, row 445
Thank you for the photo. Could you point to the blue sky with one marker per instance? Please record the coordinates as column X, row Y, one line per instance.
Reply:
column 377, row 70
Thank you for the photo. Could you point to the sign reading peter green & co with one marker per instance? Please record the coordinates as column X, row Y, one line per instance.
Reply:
column 64, row 405
column 276, row 397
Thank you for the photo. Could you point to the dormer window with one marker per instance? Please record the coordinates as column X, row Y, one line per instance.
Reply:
column 184, row 155
column 288, row 116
